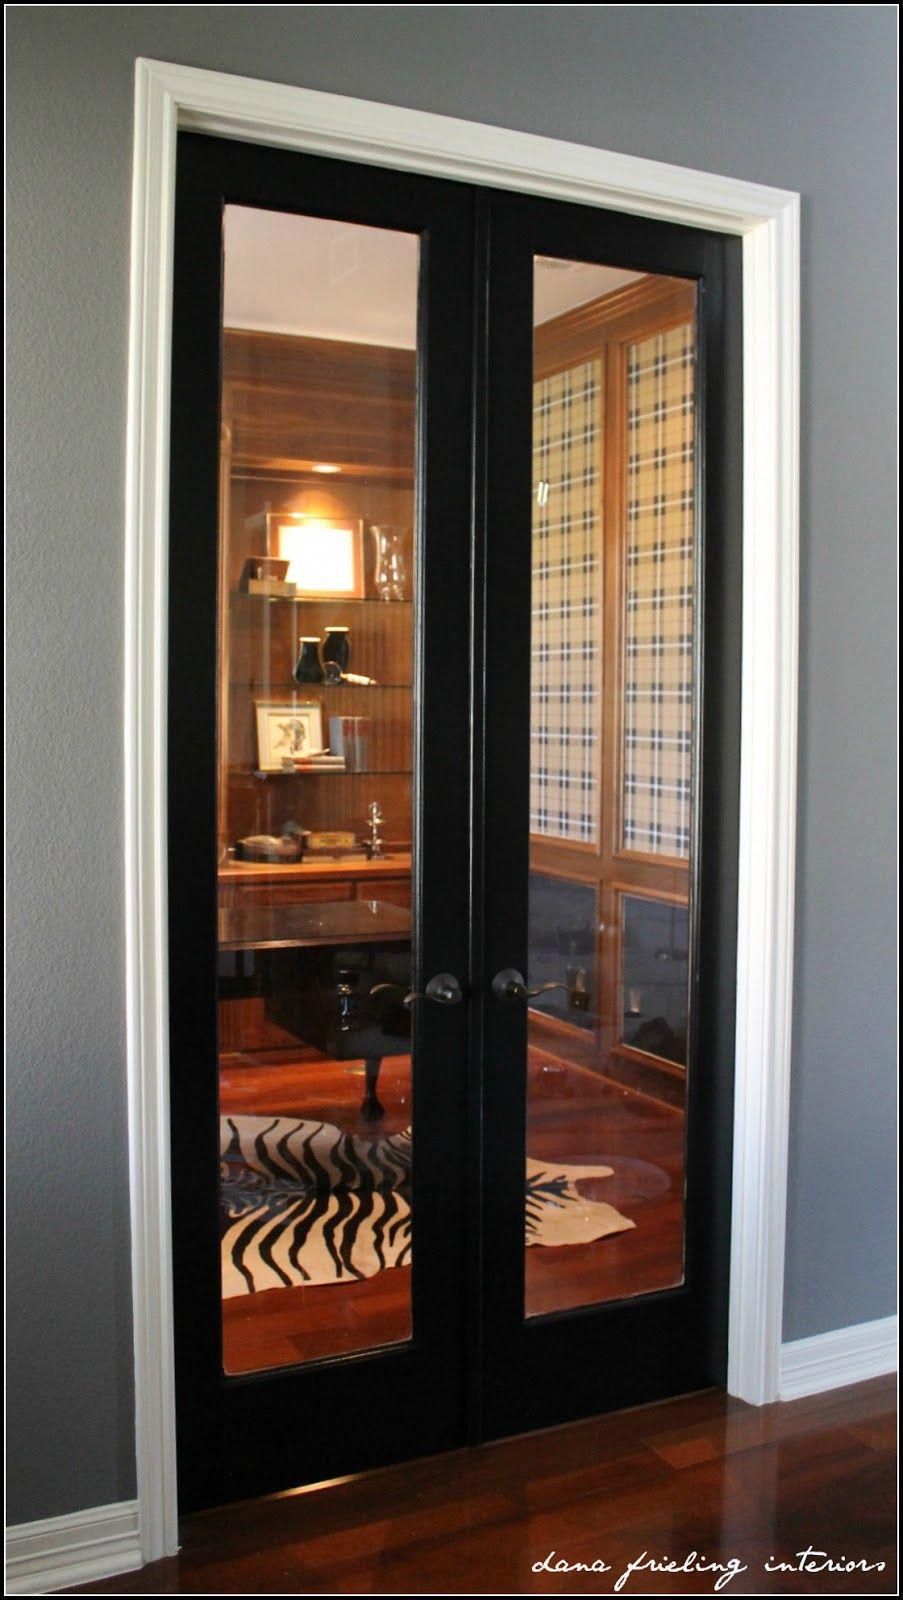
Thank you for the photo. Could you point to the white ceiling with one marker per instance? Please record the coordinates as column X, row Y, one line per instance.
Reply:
column 336, row 280
column 558, row 286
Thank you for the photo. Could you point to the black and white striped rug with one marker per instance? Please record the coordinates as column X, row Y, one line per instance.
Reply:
column 304, row 1203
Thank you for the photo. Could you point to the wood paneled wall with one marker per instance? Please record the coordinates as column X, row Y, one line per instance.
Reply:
column 295, row 401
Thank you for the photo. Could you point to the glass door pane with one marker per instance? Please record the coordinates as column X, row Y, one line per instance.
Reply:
column 318, row 543
column 611, row 782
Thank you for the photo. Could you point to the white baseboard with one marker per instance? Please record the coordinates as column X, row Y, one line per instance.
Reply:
column 59, row 1552
column 830, row 1360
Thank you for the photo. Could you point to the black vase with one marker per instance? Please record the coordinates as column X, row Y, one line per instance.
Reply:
column 308, row 668
column 337, row 647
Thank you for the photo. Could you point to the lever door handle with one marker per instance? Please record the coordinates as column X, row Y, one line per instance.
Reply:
column 510, row 985
column 444, row 990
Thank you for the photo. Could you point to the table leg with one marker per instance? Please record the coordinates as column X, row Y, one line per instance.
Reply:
column 371, row 1110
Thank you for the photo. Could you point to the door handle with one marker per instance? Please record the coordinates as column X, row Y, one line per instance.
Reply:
column 510, row 985
column 444, row 990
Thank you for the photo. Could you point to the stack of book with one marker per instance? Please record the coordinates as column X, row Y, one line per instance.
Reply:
column 349, row 737
column 316, row 761
column 337, row 845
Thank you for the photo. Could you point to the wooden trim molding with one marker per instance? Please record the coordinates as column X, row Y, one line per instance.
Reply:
column 169, row 97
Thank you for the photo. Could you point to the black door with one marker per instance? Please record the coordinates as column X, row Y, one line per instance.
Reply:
column 281, row 1057
column 424, row 438
column 608, row 797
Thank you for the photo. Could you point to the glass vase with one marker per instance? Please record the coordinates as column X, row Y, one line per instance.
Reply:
column 390, row 571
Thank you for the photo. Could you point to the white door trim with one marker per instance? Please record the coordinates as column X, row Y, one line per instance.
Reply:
column 169, row 97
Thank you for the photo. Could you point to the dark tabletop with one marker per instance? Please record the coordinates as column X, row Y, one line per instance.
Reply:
column 322, row 923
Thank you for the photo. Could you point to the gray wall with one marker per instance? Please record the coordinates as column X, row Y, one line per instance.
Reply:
column 800, row 97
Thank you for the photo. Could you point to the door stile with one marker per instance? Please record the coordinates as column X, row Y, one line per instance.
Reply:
column 477, row 968
column 505, row 791
column 716, row 823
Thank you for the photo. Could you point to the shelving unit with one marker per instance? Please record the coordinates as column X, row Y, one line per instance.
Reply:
column 290, row 402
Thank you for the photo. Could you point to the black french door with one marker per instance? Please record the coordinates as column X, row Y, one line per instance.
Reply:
column 553, row 1352
column 364, row 866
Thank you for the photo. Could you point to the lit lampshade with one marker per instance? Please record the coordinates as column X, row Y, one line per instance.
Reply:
column 324, row 556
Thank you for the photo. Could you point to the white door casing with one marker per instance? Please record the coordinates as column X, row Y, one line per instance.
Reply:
column 170, row 97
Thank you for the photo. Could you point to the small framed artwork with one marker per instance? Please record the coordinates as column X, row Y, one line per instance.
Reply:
column 324, row 554
column 286, row 729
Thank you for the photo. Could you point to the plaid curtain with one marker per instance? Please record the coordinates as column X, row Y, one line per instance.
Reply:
column 566, row 636
column 659, row 594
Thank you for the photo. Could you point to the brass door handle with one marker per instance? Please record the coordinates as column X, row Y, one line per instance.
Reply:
column 510, row 985
column 444, row 990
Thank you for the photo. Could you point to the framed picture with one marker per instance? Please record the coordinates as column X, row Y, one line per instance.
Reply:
column 324, row 554
column 285, row 729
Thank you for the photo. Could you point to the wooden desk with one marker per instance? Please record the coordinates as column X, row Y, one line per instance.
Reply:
column 260, row 883
column 307, row 950
column 305, row 926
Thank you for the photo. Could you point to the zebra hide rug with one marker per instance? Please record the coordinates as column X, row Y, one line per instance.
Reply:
column 304, row 1203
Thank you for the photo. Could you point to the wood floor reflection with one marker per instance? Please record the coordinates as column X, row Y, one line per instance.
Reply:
column 575, row 1116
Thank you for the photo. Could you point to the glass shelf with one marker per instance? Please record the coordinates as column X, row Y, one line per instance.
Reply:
column 337, row 772
column 317, row 600
column 293, row 687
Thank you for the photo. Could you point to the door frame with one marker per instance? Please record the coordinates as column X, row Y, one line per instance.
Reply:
column 168, row 98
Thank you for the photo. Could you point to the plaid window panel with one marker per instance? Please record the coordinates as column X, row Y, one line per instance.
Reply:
column 658, row 669
column 566, row 623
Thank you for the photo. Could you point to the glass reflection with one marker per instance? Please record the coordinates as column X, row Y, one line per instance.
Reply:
column 614, row 547
column 314, row 787
column 654, row 978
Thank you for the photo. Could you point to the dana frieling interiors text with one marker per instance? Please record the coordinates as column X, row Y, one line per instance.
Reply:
column 808, row 1560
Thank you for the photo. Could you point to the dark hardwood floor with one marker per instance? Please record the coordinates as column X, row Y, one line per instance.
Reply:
column 575, row 1116
column 697, row 1481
